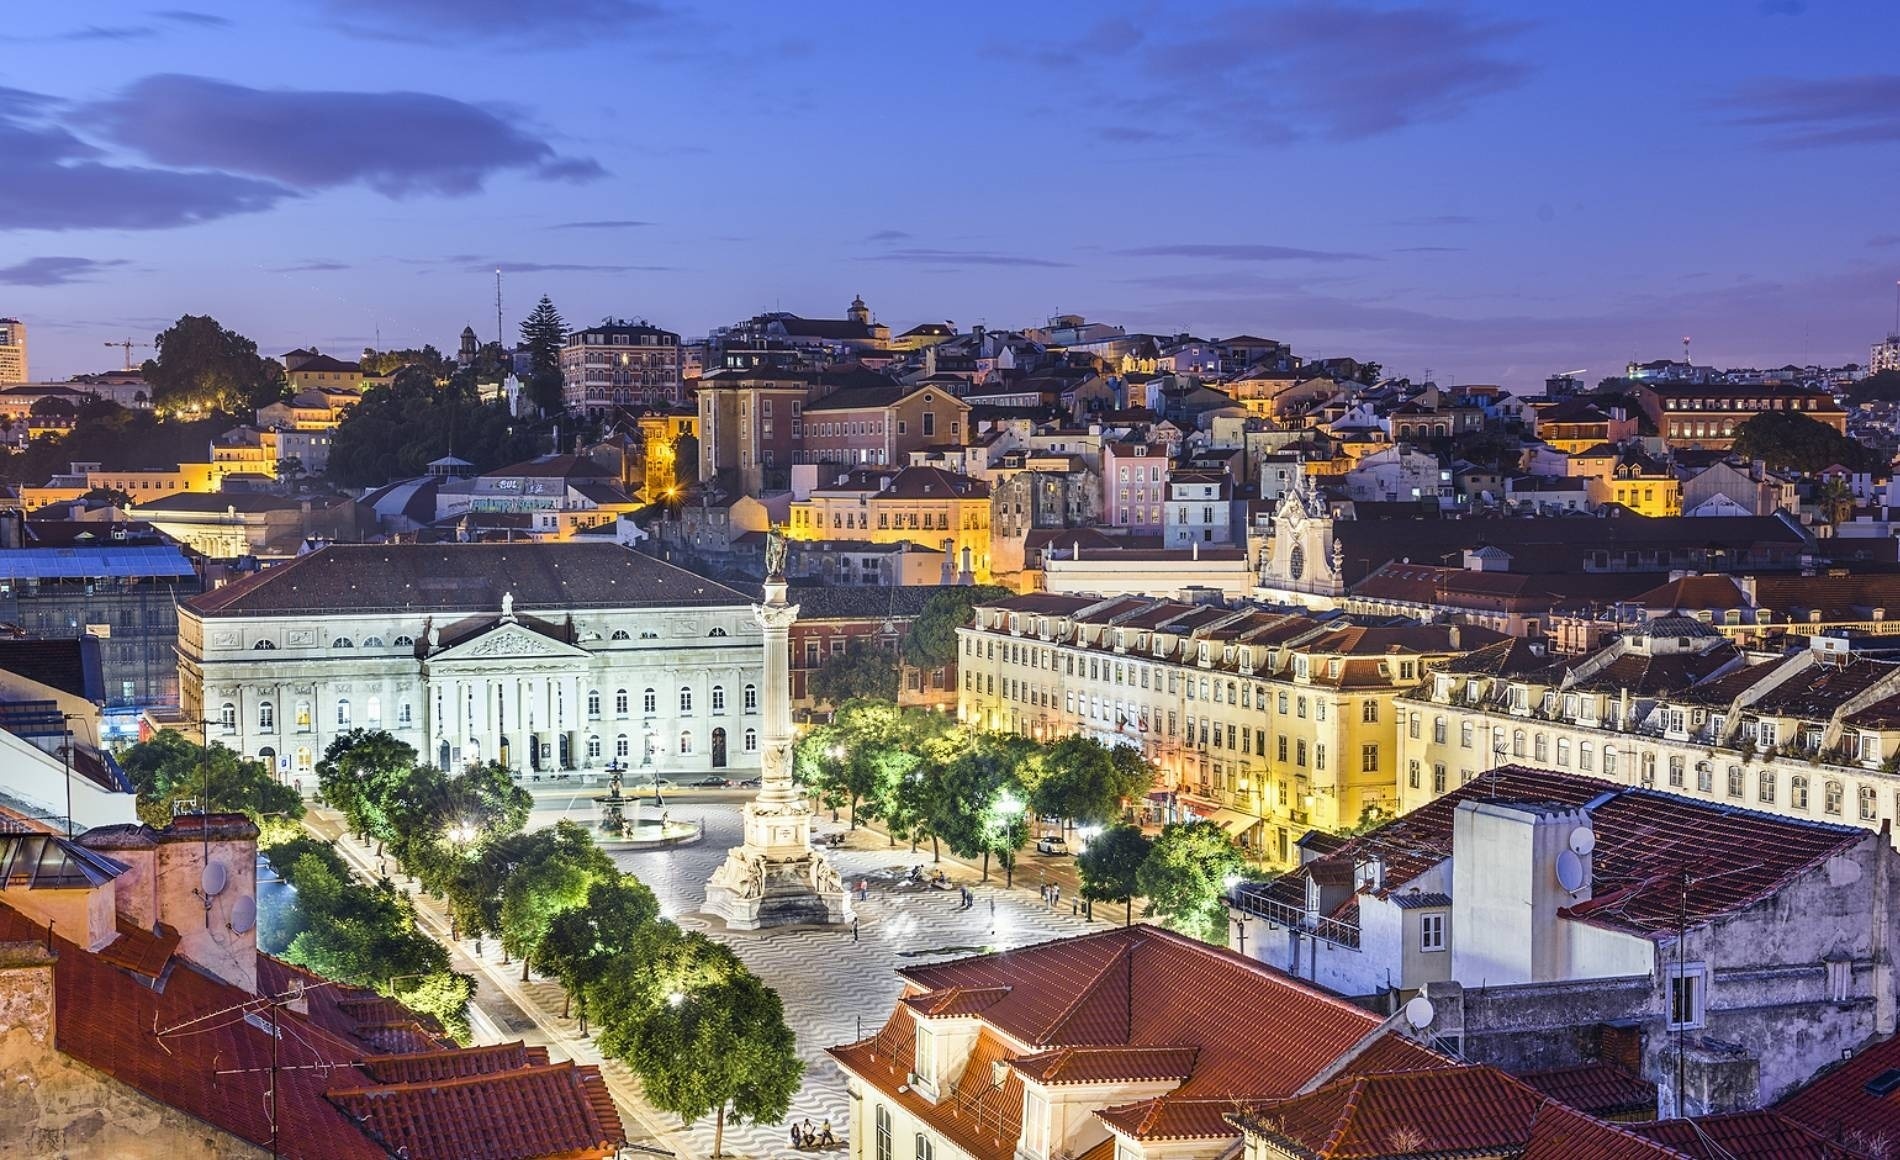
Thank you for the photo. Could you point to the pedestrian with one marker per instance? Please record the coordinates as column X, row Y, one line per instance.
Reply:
column 825, row 1138
column 811, row 1133
column 1055, row 894
column 796, row 1142
column 854, row 928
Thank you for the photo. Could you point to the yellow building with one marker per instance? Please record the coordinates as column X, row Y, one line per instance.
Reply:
column 661, row 432
column 918, row 505
column 308, row 370
column 1269, row 723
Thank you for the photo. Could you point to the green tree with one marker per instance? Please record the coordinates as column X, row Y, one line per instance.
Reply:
column 583, row 942
column 48, row 405
column 981, row 808
column 360, row 774
column 544, row 333
column 862, row 670
column 1111, row 866
column 395, row 431
column 1184, row 879
column 169, row 770
column 907, row 799
column 716, row 1044
column 201, row 365
column 115, row 496
column 1790, row 440
column 932, row 640
column 429, row 360
column 553, row 874
column 1087, row 782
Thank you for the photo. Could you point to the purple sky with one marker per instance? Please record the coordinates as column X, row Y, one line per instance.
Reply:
column 1491, row 193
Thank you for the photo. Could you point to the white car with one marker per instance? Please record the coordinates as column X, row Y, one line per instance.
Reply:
column 1052, row 844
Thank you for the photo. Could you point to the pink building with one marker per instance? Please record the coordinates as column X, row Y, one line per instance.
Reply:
column 1135, row 478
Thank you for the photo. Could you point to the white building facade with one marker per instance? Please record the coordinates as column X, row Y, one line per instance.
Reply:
column 547, row 657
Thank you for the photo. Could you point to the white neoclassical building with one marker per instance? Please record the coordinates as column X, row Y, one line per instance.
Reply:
column 546, row 657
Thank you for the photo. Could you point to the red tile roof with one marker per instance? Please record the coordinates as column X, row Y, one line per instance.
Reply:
column 1758, row 1135
column 1437, row 1111
column 146, row 952
column 1172, row 1118
column 1107, row 1064
column 1600, row 1089
column 1563, row 1133
column 1837, row 1104
column 532, row 1111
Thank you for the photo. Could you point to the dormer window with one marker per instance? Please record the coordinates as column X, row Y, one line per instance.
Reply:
column 926, row 1051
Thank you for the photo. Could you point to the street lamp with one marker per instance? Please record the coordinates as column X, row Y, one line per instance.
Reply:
column 1232, row 883
column 1008, row 807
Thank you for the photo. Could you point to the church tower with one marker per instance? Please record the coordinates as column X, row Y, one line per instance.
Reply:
column 859, row 312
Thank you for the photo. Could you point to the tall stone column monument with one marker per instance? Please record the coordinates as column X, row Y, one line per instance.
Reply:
column 776, row 878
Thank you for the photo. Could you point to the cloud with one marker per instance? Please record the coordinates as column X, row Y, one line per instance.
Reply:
column 560, row 268
column 963, row 258
column 397, row 143
column 1310, row 69
column 108, row 32
column 194, row 19
column 543, row 22
column 1243, row 252
column 605, row 224
column 1850, row 110
column 1442, row 219
column 51, row 271
column 314, row 266
column 1429, row 250
column 55, row 181
column 1881, row 240
column 887, row 236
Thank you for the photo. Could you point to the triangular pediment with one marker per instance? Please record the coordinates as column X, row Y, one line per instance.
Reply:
column 508, row 641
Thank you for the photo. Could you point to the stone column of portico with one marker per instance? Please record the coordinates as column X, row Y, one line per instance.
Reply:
column 776, row 878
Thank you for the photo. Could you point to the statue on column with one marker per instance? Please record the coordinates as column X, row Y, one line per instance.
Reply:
column 775, row 551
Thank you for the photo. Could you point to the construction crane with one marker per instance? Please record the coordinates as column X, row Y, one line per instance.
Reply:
column 127, row 344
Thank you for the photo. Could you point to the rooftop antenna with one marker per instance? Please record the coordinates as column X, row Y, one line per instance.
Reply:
column 1685, row 351
column 499, row 338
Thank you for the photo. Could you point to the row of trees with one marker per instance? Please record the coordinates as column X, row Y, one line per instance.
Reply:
column 704, row 1034
column 929, row 778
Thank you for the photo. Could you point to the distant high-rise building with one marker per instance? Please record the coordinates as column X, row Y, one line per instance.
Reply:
column 1885, row 356
column 13, row 351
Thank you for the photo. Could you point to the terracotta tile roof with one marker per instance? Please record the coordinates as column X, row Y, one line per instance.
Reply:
column 520, row 1112
column 1820, row 689
column 1172, row 1117
column 1102, row 1151
column 1838, row 1104
column 457, row 1063
column 1723, row 689
column 1757, row 1135
column 1107, row 1064
column 953, row 1001
column 1600, row 1089
column 1645, row 838
column 1563, row 1133
column 1694, row 593
column 1452, row 1110
column 144, row 952
column 1882, row 714
column 1640, row 674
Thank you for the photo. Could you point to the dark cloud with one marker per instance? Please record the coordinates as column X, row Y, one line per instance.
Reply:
column 193, row 19
column 314, row 266
column 1849, row 110
column 887, row 236
column 605, row 224
column 55, row 181
column 1306, row 69
column 109, row 32
column 1882, row 240
column 560, row 268
column 397, row 143
column 52, row 271
column 1243, row 252
column 963, row 258
column 542, row 22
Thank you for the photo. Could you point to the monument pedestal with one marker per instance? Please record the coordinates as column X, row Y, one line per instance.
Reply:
column 775, row 878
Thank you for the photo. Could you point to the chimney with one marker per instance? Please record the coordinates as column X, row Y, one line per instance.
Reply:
column 202, row 908
column 1514, row 866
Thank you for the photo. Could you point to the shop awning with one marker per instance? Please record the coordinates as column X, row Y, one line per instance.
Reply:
column 1234, row 822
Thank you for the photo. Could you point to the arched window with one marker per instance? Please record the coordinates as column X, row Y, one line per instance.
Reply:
column 649, row 635
column 264, row 645
column 717, row 632
column 1798, row 791
column 403, row 642
column 1563, row 753
column 303, row 716
column 1831, row 797
column 621, row 748
column 303, row 759
column 752, row 741
column 650, row 702
column 1704, row 777
column 343, row 711
column 686, row 741
column 227, row 717
column 620, row 702
column 593, row 704
column 593, row 746
column 620, row 634
column 373, row 710
column 342, row 642
column 751, row 699
column 1517, row 739
column 686, row 700
column 373, row 642
column 719, row 698
column 266, row 716
column 403, row 714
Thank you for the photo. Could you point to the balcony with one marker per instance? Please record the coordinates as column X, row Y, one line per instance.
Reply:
column 1331, row 930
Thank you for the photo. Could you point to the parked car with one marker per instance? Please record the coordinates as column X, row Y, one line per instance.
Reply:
column 1052, row 844
column 749, row 783
column 665, row 783
column 711, row 781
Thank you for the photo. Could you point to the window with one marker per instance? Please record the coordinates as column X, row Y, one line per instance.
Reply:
column 719, row 698
column 621, row 748
column 751, row 699
column 1412, row 774
column 1563, row 753
column 1369, row 758
column 227, row 717
column 1465, row 733
column 1869, row 805
column 342, row 642
column 1735, row 781
column 650, row 701
column 373, row 642
column 620, row 702
column 1831, row 797
column 686, row 700
column 924, row 1149
column 264, row 645
column 1541, row 747
column 620, row 634
column 403, row 642
column 343, row 711
column 403, row 714
column 1518, row 739
column 1765, row 790
column 1687, row 995
column 883, row 1133
column 303, row 716
column 266, row 716
column 373, row 710
column 1586, row 757
column 686, row 742
column 717, row 632
column 1438, row 730
column 1438, row 778
column 752, row 741
column 1798, row 791
column 1704, row 777
column 926, row 1054
column 593, row 704
column 1431, row 932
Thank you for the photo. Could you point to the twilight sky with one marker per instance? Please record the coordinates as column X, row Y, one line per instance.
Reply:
column 1488, row 192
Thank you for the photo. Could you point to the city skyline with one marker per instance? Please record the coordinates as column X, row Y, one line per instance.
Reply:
column 1455, row 189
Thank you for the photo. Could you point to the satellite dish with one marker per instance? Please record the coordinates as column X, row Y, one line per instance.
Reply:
column 1583, row 839
column 1419, row 1012
column 1570, row 871
column 215, row 876
column 244, row 915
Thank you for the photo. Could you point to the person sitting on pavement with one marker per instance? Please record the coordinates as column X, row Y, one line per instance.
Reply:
column 825, row 1138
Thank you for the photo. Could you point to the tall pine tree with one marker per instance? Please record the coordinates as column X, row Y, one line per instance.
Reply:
column 543, row 332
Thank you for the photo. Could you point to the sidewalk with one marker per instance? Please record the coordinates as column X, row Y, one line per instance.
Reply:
column 504, row 1010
